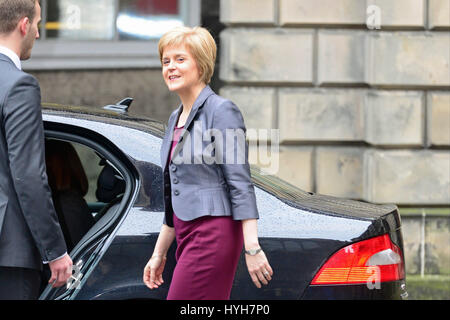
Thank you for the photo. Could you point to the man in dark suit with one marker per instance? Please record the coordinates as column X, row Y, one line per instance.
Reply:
column 30, row 234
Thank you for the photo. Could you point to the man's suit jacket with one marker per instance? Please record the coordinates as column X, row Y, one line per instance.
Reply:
column 29, row 228
column 208, row 174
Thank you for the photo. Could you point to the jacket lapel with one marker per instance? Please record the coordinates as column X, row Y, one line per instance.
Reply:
column 166, row 146
column 199, row 102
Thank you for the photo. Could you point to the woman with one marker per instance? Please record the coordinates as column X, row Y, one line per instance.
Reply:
column 210, row 204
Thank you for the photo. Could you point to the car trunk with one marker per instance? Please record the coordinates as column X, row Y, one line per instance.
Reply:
column 304, row 254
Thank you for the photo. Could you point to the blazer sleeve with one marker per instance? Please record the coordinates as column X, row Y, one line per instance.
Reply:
column 26, row 155
column 232, row 158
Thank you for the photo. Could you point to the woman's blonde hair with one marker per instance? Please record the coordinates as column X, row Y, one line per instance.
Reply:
column 200, row 44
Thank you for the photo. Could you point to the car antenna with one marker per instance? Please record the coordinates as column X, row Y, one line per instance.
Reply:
column 121, row 106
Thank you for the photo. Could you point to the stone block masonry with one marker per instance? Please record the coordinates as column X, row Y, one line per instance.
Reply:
column 408, row 177
column 362, row 113
column 438, row 14
column 320, row 115
column 267, row 56
column 409, row 59
column 438, row 119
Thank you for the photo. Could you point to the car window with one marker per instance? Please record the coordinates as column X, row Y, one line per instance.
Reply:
column 90, row 160
column 83, row 185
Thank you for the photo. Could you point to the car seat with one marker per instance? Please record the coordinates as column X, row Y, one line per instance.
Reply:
column 110, row 187
column 69, row 185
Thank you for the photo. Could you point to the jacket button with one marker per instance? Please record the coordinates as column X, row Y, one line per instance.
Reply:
column 173, row 168
column 176, row 192
column 175, row 180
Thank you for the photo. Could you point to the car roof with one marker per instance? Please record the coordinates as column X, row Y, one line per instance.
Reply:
column 98, row 114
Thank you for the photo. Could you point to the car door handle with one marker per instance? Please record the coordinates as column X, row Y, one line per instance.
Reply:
column 75, row 279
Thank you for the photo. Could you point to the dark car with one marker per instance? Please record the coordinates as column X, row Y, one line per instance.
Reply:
column 320, row 247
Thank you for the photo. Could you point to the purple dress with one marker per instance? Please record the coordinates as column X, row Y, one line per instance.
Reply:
column 207, row 254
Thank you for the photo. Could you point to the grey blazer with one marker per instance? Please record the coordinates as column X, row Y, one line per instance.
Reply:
column 29, row 228
column 208, row 175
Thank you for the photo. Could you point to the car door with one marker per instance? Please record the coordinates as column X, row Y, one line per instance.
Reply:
column 98, row 158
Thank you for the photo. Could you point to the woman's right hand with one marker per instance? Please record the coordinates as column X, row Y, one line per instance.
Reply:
column 153, row 271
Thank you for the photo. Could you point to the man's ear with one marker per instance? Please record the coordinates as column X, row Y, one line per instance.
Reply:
column 24, row 26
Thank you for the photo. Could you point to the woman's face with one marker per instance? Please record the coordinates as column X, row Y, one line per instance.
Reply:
column 179, row 69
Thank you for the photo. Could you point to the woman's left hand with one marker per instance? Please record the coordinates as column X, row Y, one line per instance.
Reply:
column 259, row 268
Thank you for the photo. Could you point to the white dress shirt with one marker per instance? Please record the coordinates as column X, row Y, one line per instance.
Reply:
column 12, row 55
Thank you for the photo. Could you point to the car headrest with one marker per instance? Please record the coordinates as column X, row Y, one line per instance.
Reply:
column 110, row 184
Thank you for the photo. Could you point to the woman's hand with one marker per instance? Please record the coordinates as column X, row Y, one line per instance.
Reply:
column 153, row 271
column 155, row 266
column 259, row 268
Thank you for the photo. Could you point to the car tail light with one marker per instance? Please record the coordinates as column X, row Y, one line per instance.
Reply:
column 373, row 260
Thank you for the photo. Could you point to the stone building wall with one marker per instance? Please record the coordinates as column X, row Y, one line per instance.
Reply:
column 361, row 113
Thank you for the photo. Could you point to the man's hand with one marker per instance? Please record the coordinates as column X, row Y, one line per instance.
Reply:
column 61, row 271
